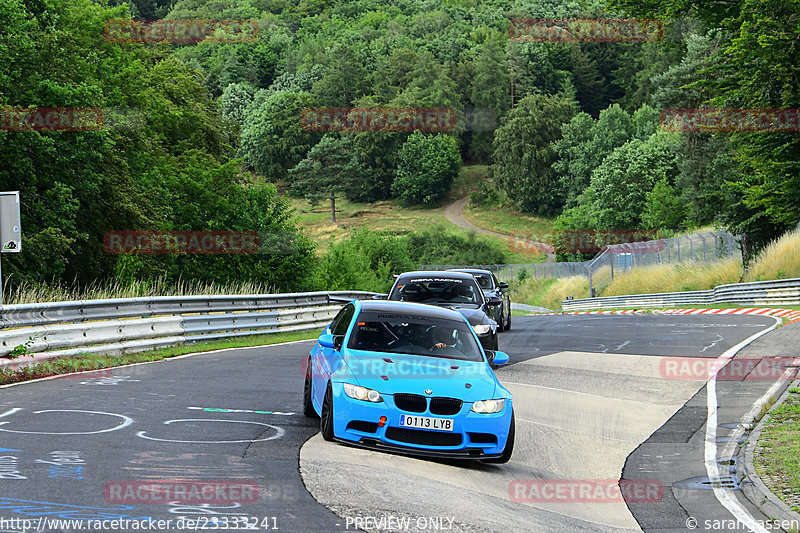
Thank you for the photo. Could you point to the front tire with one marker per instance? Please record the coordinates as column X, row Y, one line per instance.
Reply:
column 308, row 405
column 508, row 319
column 326, row 420
column 509, row 448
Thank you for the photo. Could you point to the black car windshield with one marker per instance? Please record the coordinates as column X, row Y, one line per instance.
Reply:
column 414, row 334
column 437, row 291
column 484, row 281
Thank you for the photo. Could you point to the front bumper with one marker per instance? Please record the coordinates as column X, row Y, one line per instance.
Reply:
column 474, row 436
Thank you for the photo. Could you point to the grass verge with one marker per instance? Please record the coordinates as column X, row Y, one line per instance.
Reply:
column 78, row 363
column 779, row 260
column 29, row 293
column 509, row 221
column 777, row 453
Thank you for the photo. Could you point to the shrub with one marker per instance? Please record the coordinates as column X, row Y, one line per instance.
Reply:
column 427, row 165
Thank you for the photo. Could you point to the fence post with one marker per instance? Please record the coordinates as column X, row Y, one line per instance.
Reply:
column 704, row 246
column 612, row 266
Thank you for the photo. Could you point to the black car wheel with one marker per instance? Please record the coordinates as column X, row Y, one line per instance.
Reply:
column 508, row 318
column 501, row 321
column 509, row 448
column 326, row 420
column 308, row 406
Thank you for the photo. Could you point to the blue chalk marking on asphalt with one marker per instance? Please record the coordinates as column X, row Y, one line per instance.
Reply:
column 9, row 450
column 66, row 511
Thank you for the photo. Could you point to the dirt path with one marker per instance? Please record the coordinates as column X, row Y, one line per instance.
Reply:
column 453, row 212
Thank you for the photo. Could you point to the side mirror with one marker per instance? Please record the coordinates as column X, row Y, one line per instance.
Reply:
column 331, row 341
column 500, row 358
column 379, row 296
column 503, row 285
column 494, row 300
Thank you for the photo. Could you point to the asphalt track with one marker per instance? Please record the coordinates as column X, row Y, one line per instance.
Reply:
column 590, row 395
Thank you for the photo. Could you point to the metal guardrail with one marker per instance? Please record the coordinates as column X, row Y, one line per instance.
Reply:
column 59, row 329
column 778, row 292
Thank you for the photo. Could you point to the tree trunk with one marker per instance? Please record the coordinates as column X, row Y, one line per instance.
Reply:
column 333, row 208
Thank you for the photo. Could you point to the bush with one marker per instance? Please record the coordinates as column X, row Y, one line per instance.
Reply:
column 435, row 246
column 427, row 165
column 365, row 261
column 486, row 196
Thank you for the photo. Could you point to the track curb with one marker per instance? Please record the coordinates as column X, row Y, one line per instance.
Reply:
column 753, row 488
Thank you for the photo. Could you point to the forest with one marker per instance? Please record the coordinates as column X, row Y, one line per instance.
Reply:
column 208, row 136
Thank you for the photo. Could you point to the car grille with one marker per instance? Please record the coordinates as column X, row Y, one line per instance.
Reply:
column 422, row 437
column 445, row 406
column 413, row 403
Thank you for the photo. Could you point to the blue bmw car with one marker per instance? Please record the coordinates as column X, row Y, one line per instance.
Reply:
column 409, row 378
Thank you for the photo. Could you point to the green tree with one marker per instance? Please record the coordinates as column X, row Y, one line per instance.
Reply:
column 273, row 137
column 663, row 208
column 426, row 167
column 622, row 181
column 523, row 153
column 574, row 150
column 332, row 167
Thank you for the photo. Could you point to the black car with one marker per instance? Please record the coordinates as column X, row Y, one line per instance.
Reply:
column 492, row 287
column 454, row 290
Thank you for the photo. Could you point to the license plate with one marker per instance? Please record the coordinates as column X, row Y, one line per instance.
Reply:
column 425, row 422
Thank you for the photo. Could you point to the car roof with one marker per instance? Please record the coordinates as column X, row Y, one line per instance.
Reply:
column 471, row 270
column 436, row 274
column 394, row 306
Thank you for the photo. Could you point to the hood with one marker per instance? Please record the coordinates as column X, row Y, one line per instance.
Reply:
column 474, row 315
column 392, row 373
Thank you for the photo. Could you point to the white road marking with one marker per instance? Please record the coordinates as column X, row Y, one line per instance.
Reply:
column 126, row 421
column 725, row 497
column 279, row 432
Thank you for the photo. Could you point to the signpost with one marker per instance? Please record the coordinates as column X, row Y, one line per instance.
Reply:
column 10, row 228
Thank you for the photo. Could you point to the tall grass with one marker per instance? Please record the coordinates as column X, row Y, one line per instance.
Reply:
column 677, row 277
column 33, row 293
column 779, row 260
column 549, row 293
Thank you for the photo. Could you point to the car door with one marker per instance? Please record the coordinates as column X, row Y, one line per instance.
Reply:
column 503, row 293
column 328, row 360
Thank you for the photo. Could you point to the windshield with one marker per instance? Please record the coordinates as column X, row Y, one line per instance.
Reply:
column 413, row 334
column 484, row 281
column 437, row 291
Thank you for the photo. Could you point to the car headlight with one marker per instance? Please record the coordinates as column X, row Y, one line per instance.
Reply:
column 488, row 406
column 482, row 329
column 362, row 393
